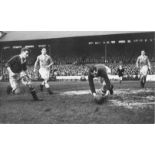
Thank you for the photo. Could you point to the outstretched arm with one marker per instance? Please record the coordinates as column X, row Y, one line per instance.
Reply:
column 149, row 64
column 51, row 62
column 91, row 85
column 36, row 64
column 137, row 63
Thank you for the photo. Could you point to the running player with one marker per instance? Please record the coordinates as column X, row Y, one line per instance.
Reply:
column 45, row 62
column 17, row 70
column 143, row 64
column 120, row 72
column 100, row 70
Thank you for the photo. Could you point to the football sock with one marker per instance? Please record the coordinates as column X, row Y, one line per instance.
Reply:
column 33, row 93
column 49, row 91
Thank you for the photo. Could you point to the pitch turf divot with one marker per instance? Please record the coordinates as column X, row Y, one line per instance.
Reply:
column 125, row 97
column 116, row 92
column 77, row 92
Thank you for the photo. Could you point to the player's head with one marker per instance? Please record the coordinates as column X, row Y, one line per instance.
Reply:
column 24, row 53
column 43, row 51
column 120, row 66
column 94, row 70
column 143, row 52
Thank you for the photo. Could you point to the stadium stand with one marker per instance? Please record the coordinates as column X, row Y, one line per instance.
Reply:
column 73, row 55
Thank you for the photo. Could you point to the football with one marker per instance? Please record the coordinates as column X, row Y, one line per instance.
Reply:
column 100, row 99
column 18, row 91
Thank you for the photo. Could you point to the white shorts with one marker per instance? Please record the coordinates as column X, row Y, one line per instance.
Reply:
column 17, row 79
column 44, row 73
column 144, row 70
column 120, row 78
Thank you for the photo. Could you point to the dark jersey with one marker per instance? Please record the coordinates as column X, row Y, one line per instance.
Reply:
column 16, row 65
column 120, row 72
column 99, row 68
column 101, row 72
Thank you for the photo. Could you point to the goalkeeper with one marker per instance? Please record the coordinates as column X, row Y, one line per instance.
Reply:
column 101, row 71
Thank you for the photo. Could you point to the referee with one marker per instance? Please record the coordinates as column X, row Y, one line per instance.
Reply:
column 120, row 72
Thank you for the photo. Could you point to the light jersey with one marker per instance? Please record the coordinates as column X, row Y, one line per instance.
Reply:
column 143, row 61
column 44, row 60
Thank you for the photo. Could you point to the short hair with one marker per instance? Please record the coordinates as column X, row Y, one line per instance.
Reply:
column 93, row 68
column 25, row 49
column 143, row 51
column 44, row 48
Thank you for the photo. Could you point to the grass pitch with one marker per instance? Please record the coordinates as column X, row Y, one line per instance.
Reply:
column 73, row 104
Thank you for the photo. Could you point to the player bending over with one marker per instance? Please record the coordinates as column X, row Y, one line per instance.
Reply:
column 120, row 72
column 45, row 62
column 143, row 64
column 101, row 71
column 17, row 70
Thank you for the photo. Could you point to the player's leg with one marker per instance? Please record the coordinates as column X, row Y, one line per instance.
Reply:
column 14, row 84
column 27, row 82
column 141, row 78
column 143, row 75
column 46, row 79
column 47, row 86
column 9, row 89
column 10, row 86
column 42, row 86
column 41, row 72
column 142, row 82
column 120, row 79
column 45, row 74
column 103, row 85
column 33, row 93
column 108, row 85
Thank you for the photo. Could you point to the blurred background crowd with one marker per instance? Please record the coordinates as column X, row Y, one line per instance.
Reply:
column 78, row 66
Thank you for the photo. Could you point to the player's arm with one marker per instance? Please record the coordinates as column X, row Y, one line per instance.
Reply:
column 36, row 64
column 10, row 71
column 91, row 74
column 149, row 64
column 51, row 62
column 137, row 62
column 91, row 85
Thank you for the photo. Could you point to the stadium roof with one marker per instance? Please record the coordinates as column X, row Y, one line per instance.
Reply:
column 38, row 35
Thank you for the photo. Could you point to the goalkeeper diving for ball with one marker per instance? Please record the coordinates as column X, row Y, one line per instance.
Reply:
column 17, row 70
column 101, row 71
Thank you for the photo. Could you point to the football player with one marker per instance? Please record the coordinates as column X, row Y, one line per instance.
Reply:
column 120, row 72
column 143, row 64
column 17, row 70
column 101, row 71
column 45, row 62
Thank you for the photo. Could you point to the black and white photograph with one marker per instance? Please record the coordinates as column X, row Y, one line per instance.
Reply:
column 77, row 77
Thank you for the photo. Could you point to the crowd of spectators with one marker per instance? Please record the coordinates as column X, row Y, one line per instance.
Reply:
column 91, row 59
column 78, row 66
